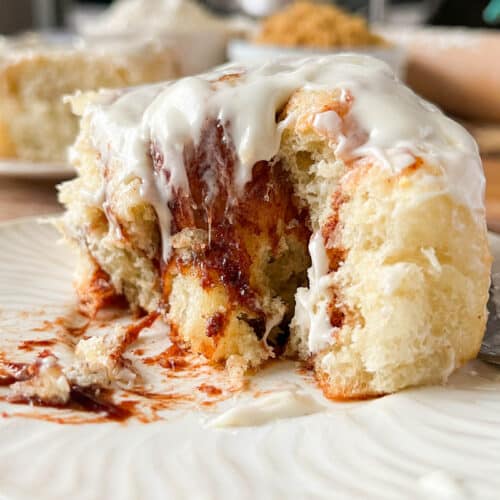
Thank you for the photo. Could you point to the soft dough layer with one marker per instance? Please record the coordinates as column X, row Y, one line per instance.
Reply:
column 401, row 268
column 386, row 218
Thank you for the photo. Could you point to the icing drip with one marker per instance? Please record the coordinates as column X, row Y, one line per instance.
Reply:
column 312, row 303
column 397, row 124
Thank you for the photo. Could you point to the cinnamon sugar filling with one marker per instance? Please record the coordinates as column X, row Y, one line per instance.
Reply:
column 227, row 231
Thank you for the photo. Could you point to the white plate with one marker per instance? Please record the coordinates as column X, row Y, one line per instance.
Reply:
column 23, row 169
column 430, row 443
column 248, row 52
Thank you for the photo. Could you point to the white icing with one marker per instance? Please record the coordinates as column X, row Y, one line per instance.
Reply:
column 312, row 303
column 265, row 409
column 329, row 123
column 398, row 124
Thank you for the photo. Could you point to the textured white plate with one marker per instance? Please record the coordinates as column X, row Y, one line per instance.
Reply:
column 35, row 170
column 432, row 443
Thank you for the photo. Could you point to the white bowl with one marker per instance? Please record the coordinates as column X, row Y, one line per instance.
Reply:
column 198, row 51
column 248, row 52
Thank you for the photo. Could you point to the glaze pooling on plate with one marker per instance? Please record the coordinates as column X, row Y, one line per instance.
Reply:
column 400, row 446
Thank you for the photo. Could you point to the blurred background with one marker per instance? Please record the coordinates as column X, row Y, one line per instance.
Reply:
column 20, row 15
column 448, row 51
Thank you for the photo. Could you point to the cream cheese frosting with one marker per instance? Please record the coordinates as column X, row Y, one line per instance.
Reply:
column 398, row 124
column 277, row 405
column 311, row 303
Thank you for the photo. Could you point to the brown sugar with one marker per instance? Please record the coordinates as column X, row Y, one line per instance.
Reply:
column 309, row 24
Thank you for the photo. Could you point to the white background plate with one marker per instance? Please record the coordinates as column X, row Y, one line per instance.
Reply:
column 433, row 443
column 33, row 170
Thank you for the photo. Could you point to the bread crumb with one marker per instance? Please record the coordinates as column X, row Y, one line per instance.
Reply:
column 48, row 385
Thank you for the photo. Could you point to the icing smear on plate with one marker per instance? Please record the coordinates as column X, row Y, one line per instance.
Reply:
column 274, row 406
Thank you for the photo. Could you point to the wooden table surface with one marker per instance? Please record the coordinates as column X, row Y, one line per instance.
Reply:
column 21, row 198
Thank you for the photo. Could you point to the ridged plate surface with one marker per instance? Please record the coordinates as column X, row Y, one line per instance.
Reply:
column 433, row 443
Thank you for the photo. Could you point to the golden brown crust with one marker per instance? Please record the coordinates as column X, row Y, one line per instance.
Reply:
column 344, row 393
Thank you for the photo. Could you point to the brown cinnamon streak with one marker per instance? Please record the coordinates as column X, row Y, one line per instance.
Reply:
column 234, row 221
